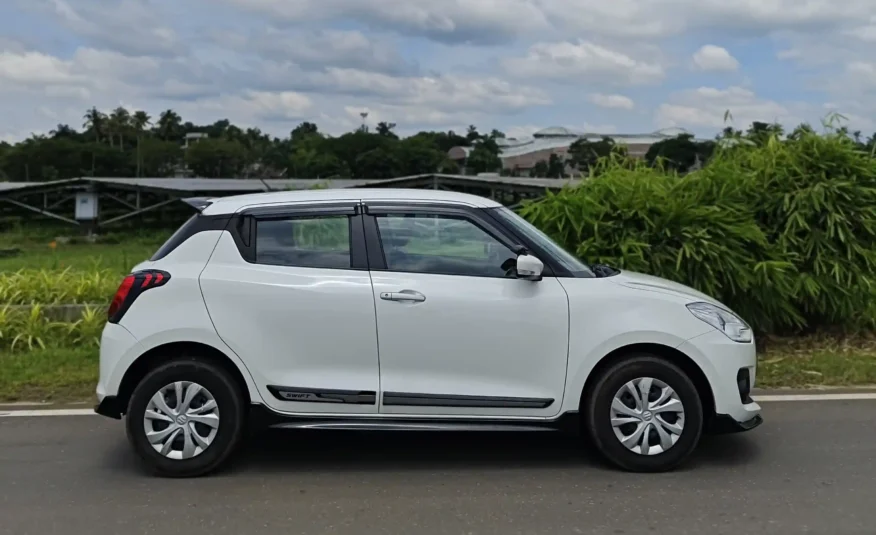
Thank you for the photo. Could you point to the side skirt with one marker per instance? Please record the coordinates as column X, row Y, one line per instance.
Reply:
column 262, row 416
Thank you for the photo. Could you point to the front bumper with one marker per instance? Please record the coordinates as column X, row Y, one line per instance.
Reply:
column 731, row 369
column 725, row 424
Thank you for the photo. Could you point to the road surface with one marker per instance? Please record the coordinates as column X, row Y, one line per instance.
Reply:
column 811, row 468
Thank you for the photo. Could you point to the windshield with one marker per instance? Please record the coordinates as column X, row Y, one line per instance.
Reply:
column 533, row 234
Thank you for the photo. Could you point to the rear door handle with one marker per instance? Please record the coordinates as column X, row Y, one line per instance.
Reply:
column 404, row 295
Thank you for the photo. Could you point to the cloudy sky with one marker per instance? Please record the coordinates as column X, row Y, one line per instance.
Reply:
column 515, row 65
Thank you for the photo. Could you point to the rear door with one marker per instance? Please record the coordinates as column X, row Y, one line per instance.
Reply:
column 288, row 290
column 457, row 334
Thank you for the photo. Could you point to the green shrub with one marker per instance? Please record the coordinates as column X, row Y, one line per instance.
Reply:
column 66, row 286
column 29, row 329
column 784, row 233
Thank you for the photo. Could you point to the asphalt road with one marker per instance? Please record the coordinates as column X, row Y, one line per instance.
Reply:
column 811, row 468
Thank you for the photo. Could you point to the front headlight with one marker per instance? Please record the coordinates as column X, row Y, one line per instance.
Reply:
column 723, row 320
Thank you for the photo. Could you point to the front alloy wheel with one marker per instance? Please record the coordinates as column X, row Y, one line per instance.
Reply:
column 647, row 416
column 644, row 414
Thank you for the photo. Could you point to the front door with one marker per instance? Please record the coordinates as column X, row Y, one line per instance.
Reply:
column 458, row 335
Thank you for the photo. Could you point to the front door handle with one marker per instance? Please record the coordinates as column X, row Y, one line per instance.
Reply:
column 404, row 295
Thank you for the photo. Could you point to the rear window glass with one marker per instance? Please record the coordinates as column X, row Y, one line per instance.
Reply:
column 317, row 242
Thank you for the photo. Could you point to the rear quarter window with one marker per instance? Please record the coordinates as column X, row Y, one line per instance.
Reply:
column 195, row 224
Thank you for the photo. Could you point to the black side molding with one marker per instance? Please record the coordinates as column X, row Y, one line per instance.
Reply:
column 401, row 399
column 321, row 395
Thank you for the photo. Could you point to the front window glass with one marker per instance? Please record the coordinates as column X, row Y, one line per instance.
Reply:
column 441, row 244
column 533, row 234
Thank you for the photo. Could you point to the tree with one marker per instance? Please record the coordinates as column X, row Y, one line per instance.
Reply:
column 760, row 132
column 95, row 123
column 417, row 156
column 216, row 158
column 583, row 154
column 681, row 153
column 377, row 163
column 385, row 129
column 169, row 126
column 556, row 167
column 539, row 170
column 304, row 130
column 483, row 160
column 119, row 125
column 140, row 120
column 159, row 158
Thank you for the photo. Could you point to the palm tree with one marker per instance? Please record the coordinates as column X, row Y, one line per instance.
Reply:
column 140, row 120
column 169, row 125
column 120, row 122
column 95, row 121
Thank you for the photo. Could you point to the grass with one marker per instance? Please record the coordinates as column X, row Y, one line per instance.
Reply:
column 70, row 374
column 818, row 361
column 115, row 253
column 51, row 374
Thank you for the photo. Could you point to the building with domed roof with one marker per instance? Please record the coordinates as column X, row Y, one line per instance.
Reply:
column 524, row 153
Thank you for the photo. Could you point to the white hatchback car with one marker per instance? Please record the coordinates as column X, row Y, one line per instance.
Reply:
column 408, row 310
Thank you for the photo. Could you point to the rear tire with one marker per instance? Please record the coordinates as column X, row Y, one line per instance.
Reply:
column 196, row 438
column 646, row 422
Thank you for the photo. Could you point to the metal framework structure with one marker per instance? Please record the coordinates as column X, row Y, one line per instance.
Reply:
column 120, row 199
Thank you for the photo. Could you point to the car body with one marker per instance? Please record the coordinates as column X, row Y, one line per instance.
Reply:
column 409, row 309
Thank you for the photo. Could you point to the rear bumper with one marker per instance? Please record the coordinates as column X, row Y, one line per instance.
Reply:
column 725, row 424
column 109, row 407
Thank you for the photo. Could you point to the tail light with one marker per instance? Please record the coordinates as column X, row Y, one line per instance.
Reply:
column 131, row 287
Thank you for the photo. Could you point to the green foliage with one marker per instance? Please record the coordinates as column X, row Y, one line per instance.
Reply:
column 783, row 232
column 29, row 329
column 680, row 153
column 66, row 286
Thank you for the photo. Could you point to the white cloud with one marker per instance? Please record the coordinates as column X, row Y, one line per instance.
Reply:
column 478, row 21
column 30, row 68
column 619, row 102
column 715, row 58
column 257, row 106
column 706, row 106
column 567, row 61
column 132, row 26
column 319, row 48
column 490, row 21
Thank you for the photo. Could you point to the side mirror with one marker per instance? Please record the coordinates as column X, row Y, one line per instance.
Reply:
column 529, row 267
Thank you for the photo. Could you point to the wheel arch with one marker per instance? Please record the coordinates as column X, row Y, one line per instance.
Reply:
column 163, row 353
column 671, row 354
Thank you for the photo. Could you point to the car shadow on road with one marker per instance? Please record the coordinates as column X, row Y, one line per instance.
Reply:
column 277, row 450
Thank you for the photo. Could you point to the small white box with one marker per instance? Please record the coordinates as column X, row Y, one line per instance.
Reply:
column 86, row 206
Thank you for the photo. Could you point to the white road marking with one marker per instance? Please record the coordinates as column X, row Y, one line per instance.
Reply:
column 816, row 397
column 860, row 396
column 47, row 412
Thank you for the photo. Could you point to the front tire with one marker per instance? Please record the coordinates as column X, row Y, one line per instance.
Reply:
column 185, row 418
column 644, row 414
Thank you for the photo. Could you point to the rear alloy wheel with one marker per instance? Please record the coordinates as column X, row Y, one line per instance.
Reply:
column 644, row 414
column 181, row 420
column 185, row 418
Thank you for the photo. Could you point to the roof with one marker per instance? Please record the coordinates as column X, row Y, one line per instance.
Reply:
column 234, row 203
column 14, row 185
column 557, row 131
column 557, row 137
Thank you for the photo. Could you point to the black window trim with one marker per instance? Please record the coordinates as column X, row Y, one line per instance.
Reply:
column 477, row 216
column 246, row 222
